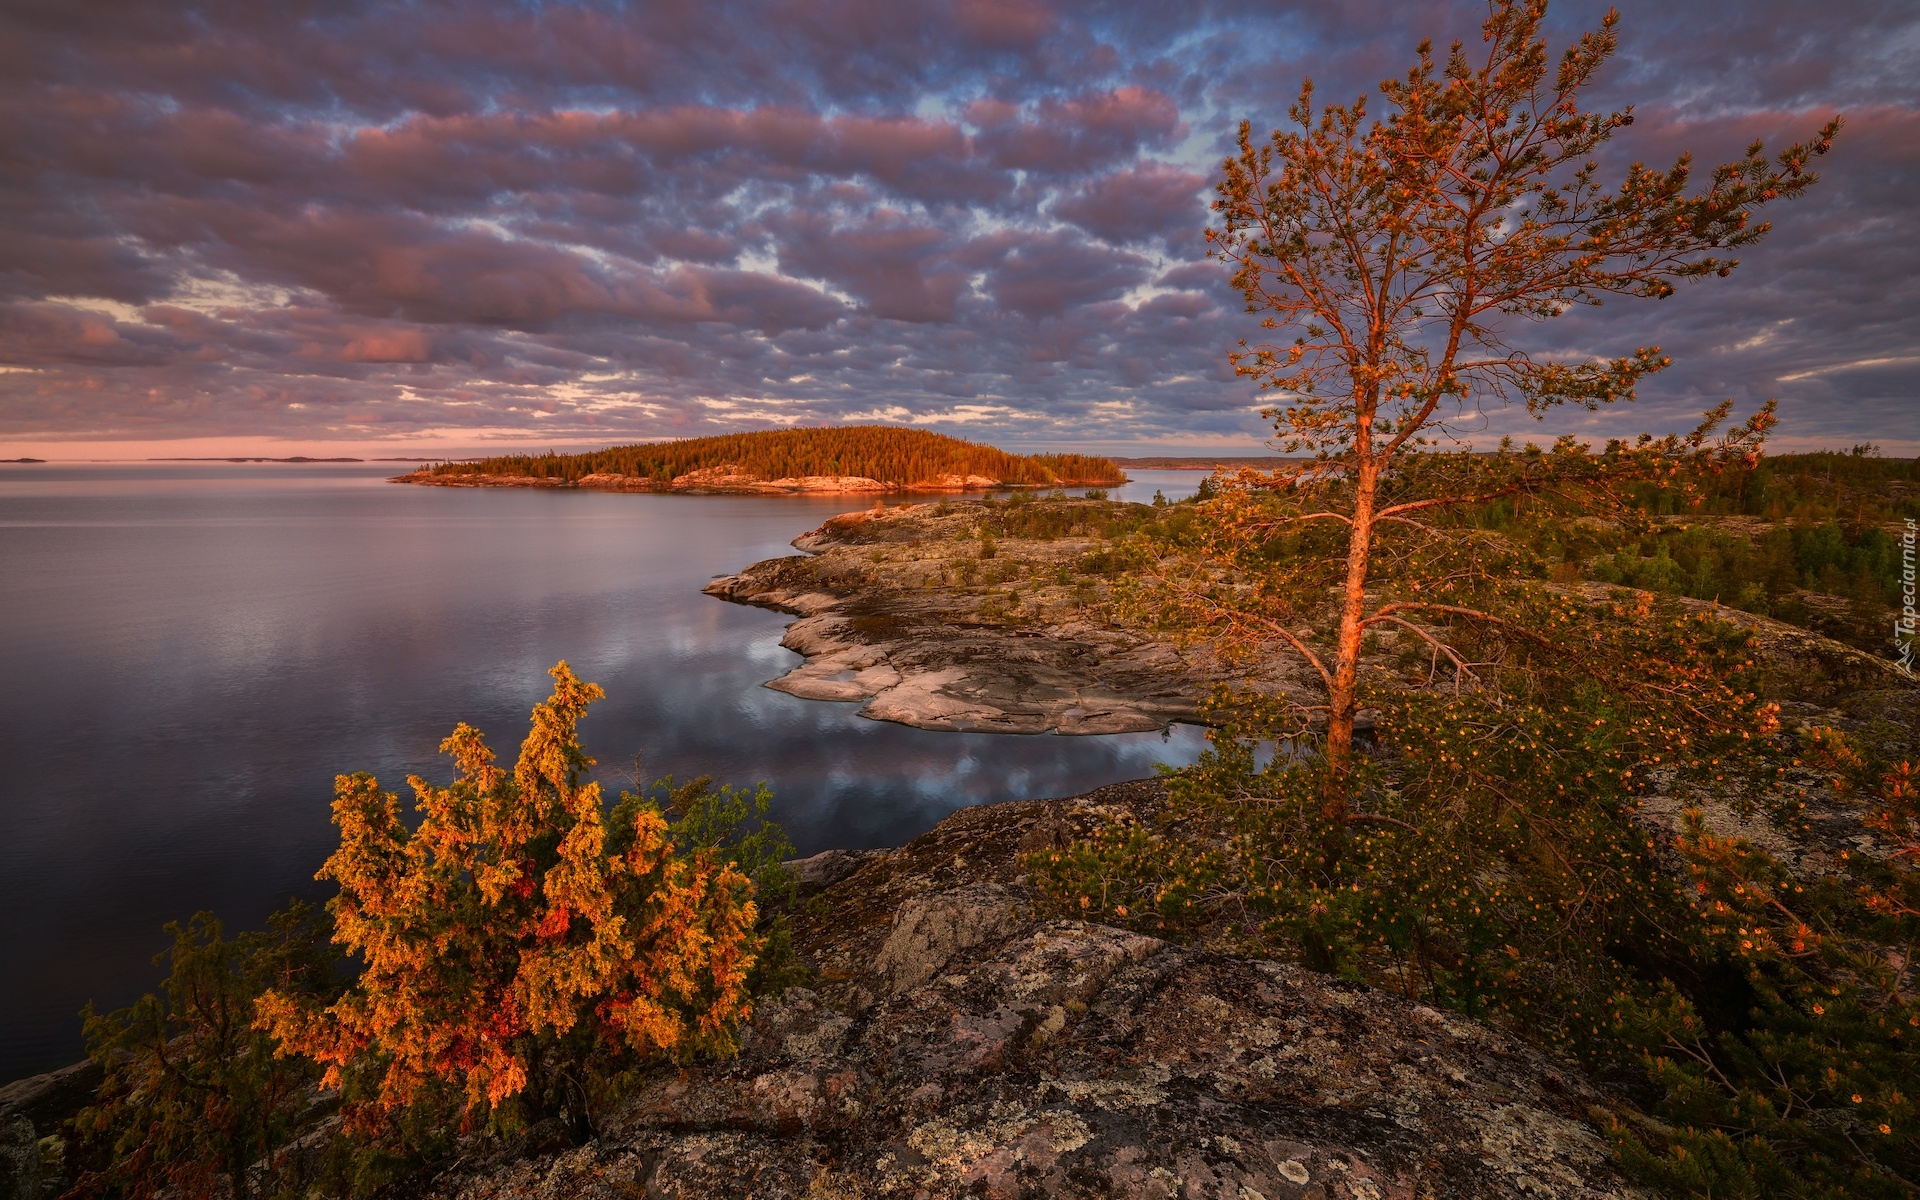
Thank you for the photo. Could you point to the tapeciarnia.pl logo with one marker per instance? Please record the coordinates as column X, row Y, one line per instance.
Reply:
column 1904, row 624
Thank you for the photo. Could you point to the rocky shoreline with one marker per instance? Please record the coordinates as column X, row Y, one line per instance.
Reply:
column 733, row 481
column 924, row 617
column 900, row 610
column 957, row 1042
column 958, row 1039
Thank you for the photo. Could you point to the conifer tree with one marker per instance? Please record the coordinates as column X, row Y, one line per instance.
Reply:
column 194, row 1103
column 1393, row 256
column 512, row 941
column 1494, row 844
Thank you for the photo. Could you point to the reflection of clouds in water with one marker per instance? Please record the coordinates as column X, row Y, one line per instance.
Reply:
column 842, row 780
column 769, row 653
column 187, row 668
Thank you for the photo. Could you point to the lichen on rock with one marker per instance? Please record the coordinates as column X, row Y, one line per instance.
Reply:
column 957, row 1043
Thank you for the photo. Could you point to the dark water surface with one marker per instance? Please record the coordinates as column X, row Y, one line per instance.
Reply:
column 189, row 654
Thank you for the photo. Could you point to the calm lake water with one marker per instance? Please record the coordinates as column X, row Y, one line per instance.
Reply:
column 190, row 653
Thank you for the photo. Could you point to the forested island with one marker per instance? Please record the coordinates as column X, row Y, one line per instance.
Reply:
column 829, row 461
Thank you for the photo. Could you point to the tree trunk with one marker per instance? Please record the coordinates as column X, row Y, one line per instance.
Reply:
column 1341, row 693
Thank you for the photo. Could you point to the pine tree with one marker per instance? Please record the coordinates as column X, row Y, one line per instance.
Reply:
column 1396, row 252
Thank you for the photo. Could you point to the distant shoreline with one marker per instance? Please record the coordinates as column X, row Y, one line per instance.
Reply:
column 1266, row 462
column 724, row 482
column 298, row 458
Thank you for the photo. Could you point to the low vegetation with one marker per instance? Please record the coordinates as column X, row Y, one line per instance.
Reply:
column 894, row 456
column 194, row 1095
column 1827, row 559
column 1501, row 855
column 517, row 952
column 1810, row 539
column 1504, row 784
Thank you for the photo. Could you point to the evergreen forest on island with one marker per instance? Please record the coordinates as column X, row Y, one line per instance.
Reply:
column 892, row 455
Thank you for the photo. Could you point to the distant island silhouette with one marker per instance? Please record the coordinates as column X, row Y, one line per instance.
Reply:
column 835, row 460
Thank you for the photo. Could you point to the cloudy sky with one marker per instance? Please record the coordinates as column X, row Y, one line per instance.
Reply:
column 453, row 226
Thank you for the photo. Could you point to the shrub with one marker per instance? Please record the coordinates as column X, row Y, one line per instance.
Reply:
column 1487, row 856
column 1811, row 1090
column 515, row 953
column 1112, row 560
column 193, row 1094
column 731, row 824
column 1492, row 854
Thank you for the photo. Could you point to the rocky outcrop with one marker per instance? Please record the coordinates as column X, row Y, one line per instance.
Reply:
column 738, row 480
column 46, row 1099
column 721, row 480
column 899, row 612
column 21, row 1170
column 30, row 1108
column 957, row 1044
column 433, row 479
column 915, row 615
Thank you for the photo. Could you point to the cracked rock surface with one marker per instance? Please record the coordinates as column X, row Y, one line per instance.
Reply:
column 899, row 611
column 956, row 1044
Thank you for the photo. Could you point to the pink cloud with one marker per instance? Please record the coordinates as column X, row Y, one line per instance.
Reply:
column 390, row 346
column 1078, row 132
column 1004, row 24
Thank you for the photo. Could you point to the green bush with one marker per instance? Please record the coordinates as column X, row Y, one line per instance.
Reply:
column 1493, row 854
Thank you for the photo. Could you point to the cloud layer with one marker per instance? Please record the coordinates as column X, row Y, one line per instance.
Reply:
column 568, row 223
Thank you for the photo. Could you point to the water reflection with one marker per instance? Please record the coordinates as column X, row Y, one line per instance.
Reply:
column 191, row 653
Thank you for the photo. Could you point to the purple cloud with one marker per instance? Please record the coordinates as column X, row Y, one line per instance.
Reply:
column 1140, row 202
column 360, row 220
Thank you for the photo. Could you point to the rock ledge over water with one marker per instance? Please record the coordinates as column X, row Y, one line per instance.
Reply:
column 957, row 1044
column 899, row 610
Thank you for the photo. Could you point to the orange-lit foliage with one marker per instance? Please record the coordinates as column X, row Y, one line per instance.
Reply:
column 902, row 457
column 511, row 921
column 1396, row 254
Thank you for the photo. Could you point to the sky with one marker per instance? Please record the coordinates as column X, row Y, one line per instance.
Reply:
column 464, row 227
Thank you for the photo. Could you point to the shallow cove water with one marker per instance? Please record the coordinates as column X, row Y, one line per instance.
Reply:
column 190, row 653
